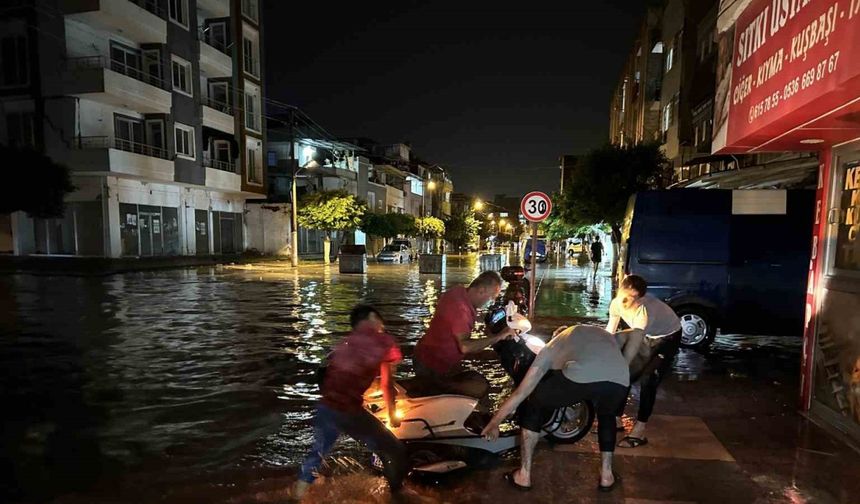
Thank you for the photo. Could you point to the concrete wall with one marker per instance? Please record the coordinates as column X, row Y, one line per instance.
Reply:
column 268, row 228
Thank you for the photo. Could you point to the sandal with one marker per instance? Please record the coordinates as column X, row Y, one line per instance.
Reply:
column 632, row 442
column 615, row 480
column 509, row 477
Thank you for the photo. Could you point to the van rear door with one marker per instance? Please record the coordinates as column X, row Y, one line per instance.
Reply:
column 769, row 258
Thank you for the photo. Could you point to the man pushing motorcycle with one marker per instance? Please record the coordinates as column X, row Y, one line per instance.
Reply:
column 439, row 353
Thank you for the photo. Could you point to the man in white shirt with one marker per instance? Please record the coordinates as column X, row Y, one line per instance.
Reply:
column 650, row 345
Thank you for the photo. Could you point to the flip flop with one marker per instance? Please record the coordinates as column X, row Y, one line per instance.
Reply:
column 509, row 477
column 615, row 480
column 632, row 442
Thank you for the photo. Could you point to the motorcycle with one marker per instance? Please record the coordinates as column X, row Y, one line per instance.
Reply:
column 442, row 433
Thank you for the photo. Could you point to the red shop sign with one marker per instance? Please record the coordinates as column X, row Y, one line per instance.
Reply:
column 792, row 61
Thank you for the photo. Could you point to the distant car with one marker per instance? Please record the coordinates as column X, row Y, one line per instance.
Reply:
column 540, row 256
column 574, row 246
column 406, row 243
column 393, row 253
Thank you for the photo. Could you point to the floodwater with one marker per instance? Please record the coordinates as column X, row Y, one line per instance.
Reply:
column 121, row 388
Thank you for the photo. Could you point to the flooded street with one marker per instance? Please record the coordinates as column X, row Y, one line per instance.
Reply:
column 123, row 388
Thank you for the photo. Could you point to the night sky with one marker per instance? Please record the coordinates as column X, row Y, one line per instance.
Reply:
column 494, row 94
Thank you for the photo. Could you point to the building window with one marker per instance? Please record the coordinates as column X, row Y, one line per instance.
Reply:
column 184, row 141
column 252, row 112
column 178, row 12
column 272, row 158
column 14, row 70
column 181, row 71
column 254, row 160
column 20, row 129
column 250, row 57
column 250, row 9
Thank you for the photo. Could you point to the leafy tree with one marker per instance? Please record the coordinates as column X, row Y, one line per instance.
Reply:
column 462, row 229
column 603, row 181
column 429, row 227
column 35, row 183
column 330, row 211
column 388, row 225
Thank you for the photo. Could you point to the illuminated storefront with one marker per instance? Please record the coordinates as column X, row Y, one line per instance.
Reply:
column 789, row 80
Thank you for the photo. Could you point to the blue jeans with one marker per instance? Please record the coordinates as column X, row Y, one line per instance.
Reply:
column 329, row 424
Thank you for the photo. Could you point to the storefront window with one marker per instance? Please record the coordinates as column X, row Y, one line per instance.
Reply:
column 847, row 241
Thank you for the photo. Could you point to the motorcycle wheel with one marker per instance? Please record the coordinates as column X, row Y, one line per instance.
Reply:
column 571, row 423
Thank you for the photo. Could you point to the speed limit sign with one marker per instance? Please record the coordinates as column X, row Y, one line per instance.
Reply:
column 536, row 206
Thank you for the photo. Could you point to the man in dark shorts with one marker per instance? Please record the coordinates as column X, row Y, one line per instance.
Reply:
column 650, row 345
column 355, row 362
column 439, row 353
column 596, row 253
column 582, row 363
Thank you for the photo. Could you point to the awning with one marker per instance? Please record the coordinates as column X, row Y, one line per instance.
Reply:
column 714, row 158
column 803, row 174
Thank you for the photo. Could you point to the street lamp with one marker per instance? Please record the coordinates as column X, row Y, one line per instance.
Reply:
column 479, row 205
column 308, row 152
column 430, row 186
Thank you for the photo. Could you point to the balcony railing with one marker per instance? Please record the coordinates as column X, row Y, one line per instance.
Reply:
column 106, row 142
column 91, row 62
column 218, row 105
column 226, row 166
column 152, row 6
column 206, row 36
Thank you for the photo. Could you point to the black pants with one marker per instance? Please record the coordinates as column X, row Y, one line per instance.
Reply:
column 556, row 391
column 458, row 381
column 660, row 365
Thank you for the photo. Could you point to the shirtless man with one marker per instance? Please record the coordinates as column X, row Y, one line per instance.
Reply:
column 580, row 363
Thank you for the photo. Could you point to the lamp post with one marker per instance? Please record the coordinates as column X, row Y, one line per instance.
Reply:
column 294, row 242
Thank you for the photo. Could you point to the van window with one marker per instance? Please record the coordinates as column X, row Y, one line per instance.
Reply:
column 685, row 239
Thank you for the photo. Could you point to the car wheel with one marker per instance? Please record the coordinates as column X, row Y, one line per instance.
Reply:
column 698, row 326
column 571, row 423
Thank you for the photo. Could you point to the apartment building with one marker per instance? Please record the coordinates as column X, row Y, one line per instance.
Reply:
column 156, row 108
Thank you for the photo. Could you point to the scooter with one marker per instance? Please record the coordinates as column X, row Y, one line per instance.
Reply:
column 443, row 433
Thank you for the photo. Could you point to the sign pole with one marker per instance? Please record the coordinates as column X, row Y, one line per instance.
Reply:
column 532, row 285
column 535, row 207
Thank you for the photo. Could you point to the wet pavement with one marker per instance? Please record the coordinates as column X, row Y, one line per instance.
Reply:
column 196, row 386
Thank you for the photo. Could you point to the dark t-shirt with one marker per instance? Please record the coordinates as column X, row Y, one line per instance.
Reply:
column 596, row 249
column 353, row 366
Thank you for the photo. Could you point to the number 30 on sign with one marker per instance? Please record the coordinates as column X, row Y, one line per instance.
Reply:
column 536, row 206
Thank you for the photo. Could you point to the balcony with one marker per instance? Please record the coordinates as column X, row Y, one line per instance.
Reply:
column 108, row 81
column 215, row 59
column 222, row 175
column 121, row 157
column 142, row 21
column 219, row 116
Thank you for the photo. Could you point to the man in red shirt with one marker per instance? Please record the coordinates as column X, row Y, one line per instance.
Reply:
column 354, row 363
column 439, row 354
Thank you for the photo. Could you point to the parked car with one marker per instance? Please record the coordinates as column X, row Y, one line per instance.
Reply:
column 393, row 253
column 406, row 243
column 540, row 255
column 574, row 246
column 734, row 260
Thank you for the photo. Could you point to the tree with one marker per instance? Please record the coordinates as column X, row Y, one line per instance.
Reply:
column 35, row 184
column 603, row 181
column 462, row 229
column 388, row 225
column 330, row 211
column 429, row 228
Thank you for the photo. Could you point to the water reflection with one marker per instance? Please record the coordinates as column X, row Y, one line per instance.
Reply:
column 136, row 383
